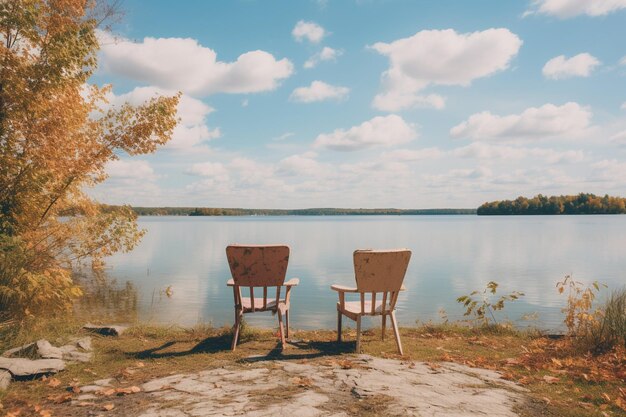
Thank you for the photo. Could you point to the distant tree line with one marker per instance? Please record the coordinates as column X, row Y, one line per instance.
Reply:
column 211, row 211
column 564, row 204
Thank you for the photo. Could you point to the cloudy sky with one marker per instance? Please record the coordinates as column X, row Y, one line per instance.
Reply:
column 372, row 103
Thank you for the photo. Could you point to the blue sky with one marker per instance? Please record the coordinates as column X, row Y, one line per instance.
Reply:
column 372, row 103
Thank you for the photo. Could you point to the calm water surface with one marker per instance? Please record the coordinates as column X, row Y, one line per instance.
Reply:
column 452, row 256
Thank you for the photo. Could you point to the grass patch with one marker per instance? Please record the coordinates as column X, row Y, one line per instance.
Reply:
column 145, row 352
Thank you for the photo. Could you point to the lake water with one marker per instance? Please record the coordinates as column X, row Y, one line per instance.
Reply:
column 452, row 256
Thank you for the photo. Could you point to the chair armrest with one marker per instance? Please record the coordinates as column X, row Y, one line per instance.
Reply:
column 403, row 288
column 230, row 282
column 292, row 282
column 341, row 288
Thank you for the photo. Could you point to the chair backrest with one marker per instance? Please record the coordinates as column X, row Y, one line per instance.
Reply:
column 380, row 270
column 258, row 265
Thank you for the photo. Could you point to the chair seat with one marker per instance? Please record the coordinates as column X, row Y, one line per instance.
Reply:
column 258, row 303
column 353, row 308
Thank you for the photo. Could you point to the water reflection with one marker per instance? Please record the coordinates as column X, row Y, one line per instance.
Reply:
column 452, row 255
column 105, row 299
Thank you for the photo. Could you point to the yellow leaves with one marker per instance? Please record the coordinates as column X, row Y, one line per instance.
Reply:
column 52, row 148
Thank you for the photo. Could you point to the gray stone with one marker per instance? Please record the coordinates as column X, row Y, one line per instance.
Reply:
column 90, row 388
column 5, row 379
column 106, row 382
column 105, row 330
column 84, row 343
column 20, row 367
column 41, row 349
column 73, row 354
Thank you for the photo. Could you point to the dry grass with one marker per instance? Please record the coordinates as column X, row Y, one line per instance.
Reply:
column 146, row 352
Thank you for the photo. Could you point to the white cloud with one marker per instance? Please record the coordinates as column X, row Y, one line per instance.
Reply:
column 191, row 129
column 208, row 169
column 310, row 31
column 622, row 61
column 303, row 164
column 183, row 64
column 487, row 151
column 440, row 57
column 568, row 121
column 326, row 54
column 560, row 67
column 380, row 131
column 245, row 102
column 134, row 169
column 608, row 170
column 284, row 136
column 319, row 91
column 408, row 155
column 619, row 137
column 564, row 9
column 623, row 107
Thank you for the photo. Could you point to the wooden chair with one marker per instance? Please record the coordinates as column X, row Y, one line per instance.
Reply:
column 376, row 271
column 258, row 266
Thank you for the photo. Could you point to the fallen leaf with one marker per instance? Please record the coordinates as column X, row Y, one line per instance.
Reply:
column 106, row 392
column 108, row 407
column 54, row 382
column 59, row 399
column 345, row 364
column 301, row 381
column 85, row 404
column 127, row 390
column 550, row 379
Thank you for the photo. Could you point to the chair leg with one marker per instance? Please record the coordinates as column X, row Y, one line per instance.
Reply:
column 384, row 325
column 236, row 328
column 281, row 328
column 396, row 332
column 339, row 317
column 287, row 324
column 358, row 334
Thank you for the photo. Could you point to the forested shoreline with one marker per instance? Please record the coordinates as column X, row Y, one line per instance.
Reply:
column 582, row 203
column 211, row 211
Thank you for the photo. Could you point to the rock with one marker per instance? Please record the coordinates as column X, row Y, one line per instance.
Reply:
column 84, row 343
column 103, row 382
column 20, row 367
column 5, row 379
column 41, row 349
column 73, row 355
column 105, row 330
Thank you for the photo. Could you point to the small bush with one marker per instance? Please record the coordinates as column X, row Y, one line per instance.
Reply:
column 482, row 308
column 611, row 328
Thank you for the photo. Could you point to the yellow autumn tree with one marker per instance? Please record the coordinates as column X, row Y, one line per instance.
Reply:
column 57, row 134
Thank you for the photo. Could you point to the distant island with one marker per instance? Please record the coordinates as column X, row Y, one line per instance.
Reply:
column 208, row 211
column 564, row 204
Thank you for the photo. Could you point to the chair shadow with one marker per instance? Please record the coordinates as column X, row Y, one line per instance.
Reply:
column 295, row 350
column 305, row 350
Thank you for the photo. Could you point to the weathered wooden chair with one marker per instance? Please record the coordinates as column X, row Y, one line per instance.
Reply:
column 256, row 266
column 376, row 271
